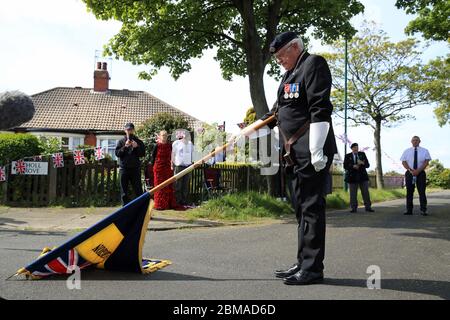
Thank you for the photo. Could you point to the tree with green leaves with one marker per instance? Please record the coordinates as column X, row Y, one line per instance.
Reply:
column 148, row 130
column 170, row 33
column 432, row 18
column 436, row 85
column 383, row 82
column 434, row 24
column 250, row 116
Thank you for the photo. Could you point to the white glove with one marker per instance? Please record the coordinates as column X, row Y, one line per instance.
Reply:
column 318, row 132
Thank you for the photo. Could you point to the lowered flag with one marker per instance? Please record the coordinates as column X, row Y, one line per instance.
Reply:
column 114, row 243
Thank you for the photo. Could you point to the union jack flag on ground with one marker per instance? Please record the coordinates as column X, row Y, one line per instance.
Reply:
column 99, row 155
column 63, row 264
column 114, row 243
column 20, row 167
column 78, row 157
column 2, row 174
column 58, row 160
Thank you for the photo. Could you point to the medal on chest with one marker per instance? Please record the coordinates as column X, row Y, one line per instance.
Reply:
column 291, row 90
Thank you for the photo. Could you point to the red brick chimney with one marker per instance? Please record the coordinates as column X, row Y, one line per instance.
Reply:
column 101, row 77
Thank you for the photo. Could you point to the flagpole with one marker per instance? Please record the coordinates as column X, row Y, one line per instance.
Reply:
column 345, row 109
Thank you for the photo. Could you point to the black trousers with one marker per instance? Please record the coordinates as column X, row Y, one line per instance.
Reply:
column 182, row 186
column 421, row 184
column 310, row 206
column 133, row 176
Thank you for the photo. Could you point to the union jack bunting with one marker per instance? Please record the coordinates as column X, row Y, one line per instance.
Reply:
column 99, row 155
column 58, row 160
column 242, row 125
column 20, row 166
column 2, row 174
column 78, row 157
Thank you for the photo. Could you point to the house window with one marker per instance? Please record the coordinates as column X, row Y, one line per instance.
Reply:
column 71, row 143
column 109, row 145
column 65, row 143
column 75, row 142
column 68, row 141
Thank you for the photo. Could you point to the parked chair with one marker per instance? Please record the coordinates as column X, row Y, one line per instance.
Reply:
column 212, row 182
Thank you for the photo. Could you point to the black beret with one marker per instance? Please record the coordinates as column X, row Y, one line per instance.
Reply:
column 280, row 40
column 353, row 145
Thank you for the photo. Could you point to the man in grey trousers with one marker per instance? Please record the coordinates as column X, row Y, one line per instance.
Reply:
column 355, row 164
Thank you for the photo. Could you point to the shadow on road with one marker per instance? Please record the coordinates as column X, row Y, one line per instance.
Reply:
column 36, row 232
column 390, row 216
column 6, row 221
column 429, row 287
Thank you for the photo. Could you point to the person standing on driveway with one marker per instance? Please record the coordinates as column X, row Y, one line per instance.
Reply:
column 129, row 150
column 355, row 164
column 415, row 160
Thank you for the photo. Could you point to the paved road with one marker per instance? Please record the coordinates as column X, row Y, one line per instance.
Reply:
column 413, row 253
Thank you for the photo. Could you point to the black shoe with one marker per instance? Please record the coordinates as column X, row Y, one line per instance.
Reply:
column 407, row 213
column 424, row 213
column 370, row 210
column 289, row 272
column 353, row 211
column 302, row 278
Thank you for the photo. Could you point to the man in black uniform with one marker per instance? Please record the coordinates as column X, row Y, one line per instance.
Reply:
column 355, row 165
column 304, row 119
column 129, row 150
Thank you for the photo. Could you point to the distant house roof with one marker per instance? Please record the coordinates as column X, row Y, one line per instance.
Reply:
column 83, row 109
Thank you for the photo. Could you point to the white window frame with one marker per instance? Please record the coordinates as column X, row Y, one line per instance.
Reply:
column 108, row 137
column 61, row 135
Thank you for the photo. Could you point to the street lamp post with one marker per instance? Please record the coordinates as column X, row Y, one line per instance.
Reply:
column 345, row 108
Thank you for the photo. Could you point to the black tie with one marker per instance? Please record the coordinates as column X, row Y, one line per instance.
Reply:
column 415, row 159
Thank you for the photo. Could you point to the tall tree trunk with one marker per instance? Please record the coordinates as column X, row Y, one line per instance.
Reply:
column 257, row 93
column 379, row 168
column 254, row 56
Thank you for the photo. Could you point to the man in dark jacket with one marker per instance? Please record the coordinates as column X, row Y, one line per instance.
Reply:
column 304, row 117
column 355, row 164
column 129, row 150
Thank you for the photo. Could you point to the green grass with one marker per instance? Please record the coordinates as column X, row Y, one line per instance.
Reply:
column 241, row 207
column 249, row 206
column 340, row 199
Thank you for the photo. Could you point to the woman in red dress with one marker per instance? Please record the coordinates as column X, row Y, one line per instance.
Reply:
column 162, row 170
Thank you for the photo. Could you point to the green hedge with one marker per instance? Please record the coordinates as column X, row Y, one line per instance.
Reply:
column 439, row 179
column 15, row 146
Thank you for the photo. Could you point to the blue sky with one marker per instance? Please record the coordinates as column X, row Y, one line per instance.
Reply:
column 52, row 43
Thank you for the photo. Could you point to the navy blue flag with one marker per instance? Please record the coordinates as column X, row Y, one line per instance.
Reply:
column 114, row 243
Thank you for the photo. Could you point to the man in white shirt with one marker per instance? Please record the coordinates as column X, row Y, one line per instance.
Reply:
column 415, row 160
column 182, row 150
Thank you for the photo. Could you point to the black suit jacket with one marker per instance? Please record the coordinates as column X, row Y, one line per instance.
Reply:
column 129, row 157
column 356, row 175
column 304, row 94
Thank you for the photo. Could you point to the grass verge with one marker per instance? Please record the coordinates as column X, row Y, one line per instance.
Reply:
column 252, row 205
column 241, row 207
column 340, row 199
